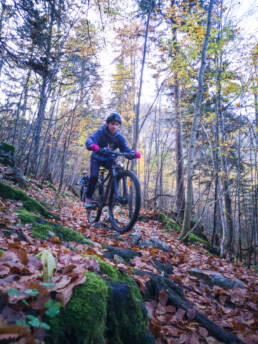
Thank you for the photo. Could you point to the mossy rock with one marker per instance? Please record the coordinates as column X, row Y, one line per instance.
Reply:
column 108, row 307
column 83, row 319
column 170, row 226
column 7, row 154
column 41, row 228
column 6, row 147
column 9, row 192
column 126, row 316
column 195, row 239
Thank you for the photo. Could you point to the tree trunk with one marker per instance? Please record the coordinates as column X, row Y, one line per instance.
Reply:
column 188, row 209
column 137, row 114
column 180, row 187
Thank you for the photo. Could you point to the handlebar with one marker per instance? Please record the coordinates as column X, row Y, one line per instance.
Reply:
column 109, row 151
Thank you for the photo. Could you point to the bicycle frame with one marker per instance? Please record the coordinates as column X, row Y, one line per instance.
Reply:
column 111, row 177
column 120, row 191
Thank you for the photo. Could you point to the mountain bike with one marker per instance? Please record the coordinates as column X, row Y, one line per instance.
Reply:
column 119, row 190
column 83, row 191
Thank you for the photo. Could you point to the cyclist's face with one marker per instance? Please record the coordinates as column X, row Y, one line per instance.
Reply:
column 113, row 126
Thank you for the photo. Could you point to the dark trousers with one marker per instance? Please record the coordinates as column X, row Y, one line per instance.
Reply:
column 94, row 174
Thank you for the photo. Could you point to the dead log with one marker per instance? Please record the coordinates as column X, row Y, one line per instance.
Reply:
column 156, row 284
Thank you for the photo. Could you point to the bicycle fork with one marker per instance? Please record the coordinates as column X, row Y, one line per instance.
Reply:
column 119, row 198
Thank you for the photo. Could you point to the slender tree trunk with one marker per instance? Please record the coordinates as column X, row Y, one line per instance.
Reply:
column 4, row 7
column 180, row 187
column 188, row 209
column 137, row 114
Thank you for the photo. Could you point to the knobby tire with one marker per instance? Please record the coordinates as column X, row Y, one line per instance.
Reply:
column 137, row 201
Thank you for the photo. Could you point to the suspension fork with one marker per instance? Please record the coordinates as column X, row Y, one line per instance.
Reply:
column 114, row 175
column 123, row 199
column 101, row 185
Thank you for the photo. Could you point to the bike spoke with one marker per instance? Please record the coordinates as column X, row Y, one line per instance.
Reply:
column 124, row 209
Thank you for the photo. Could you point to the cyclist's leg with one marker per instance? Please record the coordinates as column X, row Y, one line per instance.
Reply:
column 94, row 173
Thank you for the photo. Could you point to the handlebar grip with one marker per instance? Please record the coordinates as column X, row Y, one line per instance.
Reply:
column 130, row 156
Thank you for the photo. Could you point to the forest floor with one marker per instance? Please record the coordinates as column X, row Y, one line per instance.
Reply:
column 235, row 309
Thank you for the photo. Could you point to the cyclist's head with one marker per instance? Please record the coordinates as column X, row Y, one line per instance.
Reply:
column 85, row 172
column 114, row 117
column 113, row 122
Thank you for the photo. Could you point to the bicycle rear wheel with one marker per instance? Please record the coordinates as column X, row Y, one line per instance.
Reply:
column 83, row 194
column 124, row 211
column 94, row 213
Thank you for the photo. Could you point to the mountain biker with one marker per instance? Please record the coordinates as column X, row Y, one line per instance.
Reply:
column 84, row 181
column 106, row 136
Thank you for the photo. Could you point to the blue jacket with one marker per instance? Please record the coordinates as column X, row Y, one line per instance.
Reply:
column 103, row 138
column 84, row 179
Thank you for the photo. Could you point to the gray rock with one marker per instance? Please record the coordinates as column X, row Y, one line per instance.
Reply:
column 215, row 278
column 125, row 253
column 154, row 242
column 135, row 238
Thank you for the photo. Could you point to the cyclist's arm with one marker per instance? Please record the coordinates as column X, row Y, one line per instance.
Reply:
column 123, row 147
column 79, row 182
column 93, row 139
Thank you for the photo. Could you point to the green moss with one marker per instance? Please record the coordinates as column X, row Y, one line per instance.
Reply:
column 109, row 270
column 51, row 186
column 6, row 147
column 40, row 186
column 26, row 217
column 83, row 319
column 67, row 234
column 1, row 252
column 194, row 238
column 41, row 230
column 9, row 192
column 170, row 226
column 127, row 318
column 102, row 309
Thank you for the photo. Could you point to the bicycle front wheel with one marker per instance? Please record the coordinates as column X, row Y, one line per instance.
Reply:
column 93, row 214
column 124, row 209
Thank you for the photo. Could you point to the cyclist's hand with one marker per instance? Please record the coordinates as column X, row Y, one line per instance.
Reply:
column 137, row 155
column 94, row 148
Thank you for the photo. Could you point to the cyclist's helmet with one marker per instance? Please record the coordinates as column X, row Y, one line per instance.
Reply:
column 114, row 116
column 85, row 172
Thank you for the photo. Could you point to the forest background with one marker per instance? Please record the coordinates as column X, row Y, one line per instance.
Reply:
column 196, row 129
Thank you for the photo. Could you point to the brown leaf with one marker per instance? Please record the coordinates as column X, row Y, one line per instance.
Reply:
column 150, row 306
column 4, row 270
column 191, row 313
column 203, row 332
column 65, row 294
column 171, row 309
column 7, row 257
column 155, row 327
column 163, row 297
column 63, row 281
column 180, row 314
column 171, row 331
column 11, row 315
column 39, row 302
